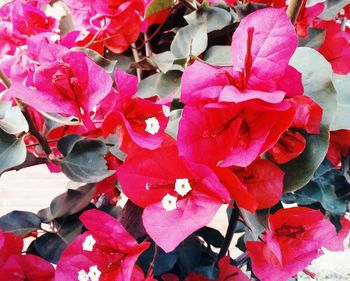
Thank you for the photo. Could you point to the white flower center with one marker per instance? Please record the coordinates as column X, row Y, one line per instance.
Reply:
column 169, row 202
column 182, row 186
column 152, row 125
column 89, row 243
column 82, row 275
column 166, row 110
column 94, row 273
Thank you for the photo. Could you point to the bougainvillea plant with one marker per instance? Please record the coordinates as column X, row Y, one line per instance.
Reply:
column 164, row 111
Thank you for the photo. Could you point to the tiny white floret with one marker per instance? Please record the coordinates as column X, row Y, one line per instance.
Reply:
column 94, row 273
column 152, row 125
column 82, row 275
column 166, row 110
column 182, row 186
column 89, row 243
column 169, row 202
column 147, row 186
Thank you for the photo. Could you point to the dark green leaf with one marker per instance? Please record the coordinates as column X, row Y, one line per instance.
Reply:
column 211, row 236
column 313, row 193
column 317, row 81
column 209, row 271
column 189, row 253
column 71, row 201
column 12, row 151
column 85, row 162
column 20, row 223
column 254, row 227
column 164, row 261
column 51, row 245
column 66, row 143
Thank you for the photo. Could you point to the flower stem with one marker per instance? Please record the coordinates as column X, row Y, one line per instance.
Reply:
column 230, row 231
column 293, row 10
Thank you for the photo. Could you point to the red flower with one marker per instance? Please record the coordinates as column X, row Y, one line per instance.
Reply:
column 292, row 242
column 339, row 146
column 105, row 252
column 232, row 135
column 227, row 272
column 172, row 191
column 137, row 121
column 115, row 23
column 336, row 47
column 17, row 267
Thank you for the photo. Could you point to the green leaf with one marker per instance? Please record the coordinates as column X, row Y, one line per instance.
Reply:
column 20, row 223
column 315, row 38
column 313, row 193
column 342, row 114
column 85, row 162
column 106, row 64
column 51, row 245
column 254, row 227
column 215, row 18
column 211, row 236
column 160, row 84
column 12, row 151
column 12, row 120
column 333, row 8
column 71, row 202
column 317, row 81
column 190, row 40
column 164, row 61
column 173, row 124
column 218, row 56
column 158, row 5
column 164, row 261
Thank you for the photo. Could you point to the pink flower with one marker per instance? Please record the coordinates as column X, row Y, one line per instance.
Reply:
column 260, row 57
column 172, row 197
column 292, row 242
column 136, row 121
column 116, row 23
column 66, row 82
column 106, row 251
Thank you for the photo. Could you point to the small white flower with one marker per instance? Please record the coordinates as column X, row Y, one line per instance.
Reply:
column 89, row 243
column 169, row 202
column 94, row 273
column 166, row 110
column 239, row 68
column 182, row 186
column 152, row 125
column 82, row 275
column 147, row 186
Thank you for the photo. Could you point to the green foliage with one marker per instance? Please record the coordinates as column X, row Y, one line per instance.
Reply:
column 317, row 81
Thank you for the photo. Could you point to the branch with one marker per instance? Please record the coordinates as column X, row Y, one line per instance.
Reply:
column 293, row 10
column 230, row 231
column 32, row 129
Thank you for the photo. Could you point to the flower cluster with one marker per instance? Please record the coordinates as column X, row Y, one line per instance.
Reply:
column 182, row 108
